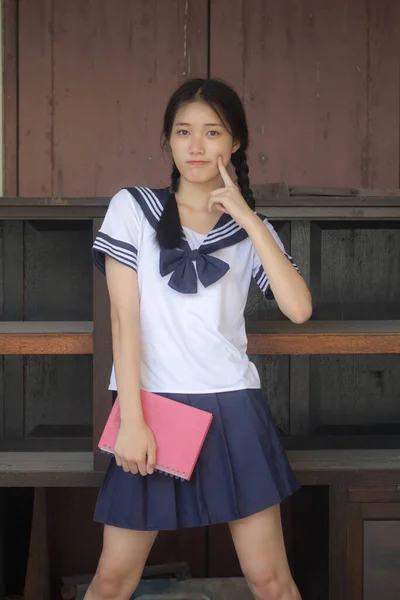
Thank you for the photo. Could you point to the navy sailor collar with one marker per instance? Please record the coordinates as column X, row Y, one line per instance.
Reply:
column 225, row 233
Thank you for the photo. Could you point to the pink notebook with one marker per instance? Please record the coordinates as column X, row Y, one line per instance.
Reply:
column 179, row 431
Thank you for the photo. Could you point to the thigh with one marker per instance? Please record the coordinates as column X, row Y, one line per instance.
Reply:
column 260, row 546
column 125, row 551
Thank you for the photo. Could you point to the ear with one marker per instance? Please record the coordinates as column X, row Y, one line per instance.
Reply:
column 235, row 147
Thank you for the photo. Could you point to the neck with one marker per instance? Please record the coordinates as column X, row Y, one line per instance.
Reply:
column 197, row 195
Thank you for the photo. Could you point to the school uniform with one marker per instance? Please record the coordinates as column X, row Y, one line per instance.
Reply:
column 193, row 349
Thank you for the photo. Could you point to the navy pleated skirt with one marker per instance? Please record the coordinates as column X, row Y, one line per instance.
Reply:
column 241, row 470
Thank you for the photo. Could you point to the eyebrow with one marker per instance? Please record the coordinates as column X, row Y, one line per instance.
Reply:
column 205, row 124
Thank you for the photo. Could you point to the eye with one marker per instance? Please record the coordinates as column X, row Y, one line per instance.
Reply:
column 182, row 131
column 213, row 133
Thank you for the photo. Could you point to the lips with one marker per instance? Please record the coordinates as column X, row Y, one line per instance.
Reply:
column 197, row 163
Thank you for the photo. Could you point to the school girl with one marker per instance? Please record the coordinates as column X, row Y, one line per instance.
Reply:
column 178, row 263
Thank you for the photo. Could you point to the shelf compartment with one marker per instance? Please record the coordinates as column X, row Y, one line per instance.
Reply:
column 46, row 337
column 323, row 337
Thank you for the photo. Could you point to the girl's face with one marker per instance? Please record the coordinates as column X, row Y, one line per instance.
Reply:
column 198, row 137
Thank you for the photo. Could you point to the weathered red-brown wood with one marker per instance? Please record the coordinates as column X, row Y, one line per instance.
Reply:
column 36, row 337
column 320, row 82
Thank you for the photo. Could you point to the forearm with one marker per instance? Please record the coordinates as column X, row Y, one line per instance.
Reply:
column 126, row 352
column 290, row 290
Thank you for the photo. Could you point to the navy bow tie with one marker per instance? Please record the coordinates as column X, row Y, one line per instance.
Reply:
column 180, row 264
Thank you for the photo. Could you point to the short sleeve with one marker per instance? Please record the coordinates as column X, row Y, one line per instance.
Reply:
column 258, row 272
column 118, row 236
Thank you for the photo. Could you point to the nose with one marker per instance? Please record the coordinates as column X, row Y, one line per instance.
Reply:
column 196, row 145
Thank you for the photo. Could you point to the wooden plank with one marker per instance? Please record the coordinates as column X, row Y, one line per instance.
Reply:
column 102, row 359
column 267, row 194
column 328, row 213
column 36, row 108
column 46, row 462
column 13, row 408
column 49, row 469
column 94, row 37
column 378, row 327
column 296, row 76
column 300, row 460
column 55, row 202
column 293, row 208
column 324, row 337
column 299, row 412
column 351, row 561
column 381, row 144
column 344, row 460
column 37, row 580
column 265, row 337
column 269, row 337
column 337, row 538
column 2, row 541
column 46, row 344
column 45, row 327
column 314, row 199
column 10, row 96
column 49, row 337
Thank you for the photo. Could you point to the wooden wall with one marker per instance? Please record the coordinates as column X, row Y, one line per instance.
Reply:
column 320, row 82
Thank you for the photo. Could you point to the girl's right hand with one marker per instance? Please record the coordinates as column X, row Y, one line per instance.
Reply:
column 135, row 449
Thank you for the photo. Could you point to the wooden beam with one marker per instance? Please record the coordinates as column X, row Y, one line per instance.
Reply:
column 75, row 469
column 10, row 97
column 264, row 337
column 324, row 337
column 49, row 337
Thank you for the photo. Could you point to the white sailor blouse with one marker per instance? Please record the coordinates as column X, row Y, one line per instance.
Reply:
column 192, row 298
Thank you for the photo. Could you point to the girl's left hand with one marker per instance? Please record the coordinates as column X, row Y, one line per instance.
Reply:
column 229, row 199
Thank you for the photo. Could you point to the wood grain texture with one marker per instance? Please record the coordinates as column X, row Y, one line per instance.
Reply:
column 102, row 358
column 58, row 271
column 37, row 580
column 357, row 394
column 324, row 337
column 381, row 557
column 320, row 83
column 46, row 343
column 10, row 96
column 94, row 87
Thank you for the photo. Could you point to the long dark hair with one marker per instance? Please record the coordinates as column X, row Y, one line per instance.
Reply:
column 228, row 106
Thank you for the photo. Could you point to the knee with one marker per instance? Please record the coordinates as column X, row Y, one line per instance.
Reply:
column 271, row 585
column 110, row 583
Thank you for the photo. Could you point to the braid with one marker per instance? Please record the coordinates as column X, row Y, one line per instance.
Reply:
column 169, row 231
column 239, row 161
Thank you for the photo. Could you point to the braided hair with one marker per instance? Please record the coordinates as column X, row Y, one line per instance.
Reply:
column 169, row 228
column 239, row 161
column 228, row 106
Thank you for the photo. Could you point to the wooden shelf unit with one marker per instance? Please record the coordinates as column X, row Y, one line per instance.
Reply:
column 354, row 476
column 279, row 202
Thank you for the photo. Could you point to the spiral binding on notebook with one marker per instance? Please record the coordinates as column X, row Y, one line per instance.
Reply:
column 171, row 472
column 159, row 468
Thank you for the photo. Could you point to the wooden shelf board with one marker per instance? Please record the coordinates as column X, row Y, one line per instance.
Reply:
column 59, row 469
column 265, row 337
column 323, row 337
column 46, row 337
column 290, row 203
column 50, row 469
column 344, row 460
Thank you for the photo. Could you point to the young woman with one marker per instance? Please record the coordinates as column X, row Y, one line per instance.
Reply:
column 178, row 263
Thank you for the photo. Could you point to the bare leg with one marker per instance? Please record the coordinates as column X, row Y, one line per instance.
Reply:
column 121, row 563
column 260, row 547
